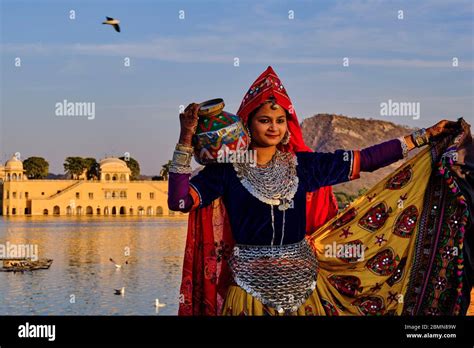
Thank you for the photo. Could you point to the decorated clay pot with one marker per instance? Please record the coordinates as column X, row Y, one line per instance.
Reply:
column 218, row 132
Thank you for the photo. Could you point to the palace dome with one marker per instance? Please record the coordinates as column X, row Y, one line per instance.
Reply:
column 14, row 164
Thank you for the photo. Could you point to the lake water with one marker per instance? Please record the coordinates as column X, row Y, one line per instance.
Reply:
column 81, row 248
column 82, row 273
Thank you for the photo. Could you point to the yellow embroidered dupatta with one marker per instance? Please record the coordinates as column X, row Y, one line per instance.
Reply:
column 398, row 248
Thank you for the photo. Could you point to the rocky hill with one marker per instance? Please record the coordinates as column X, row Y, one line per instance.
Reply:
column 327, row 133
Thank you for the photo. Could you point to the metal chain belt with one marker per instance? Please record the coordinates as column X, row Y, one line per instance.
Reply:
column 281, row 277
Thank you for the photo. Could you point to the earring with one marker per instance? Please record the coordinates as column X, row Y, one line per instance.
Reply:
column 286, row 138
column 248, row 133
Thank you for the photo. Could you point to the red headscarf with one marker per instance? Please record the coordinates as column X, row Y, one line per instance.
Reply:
column 206, row 275
column 265, row 87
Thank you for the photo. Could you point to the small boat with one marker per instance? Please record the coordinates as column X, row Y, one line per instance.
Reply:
column 22, row 264
column 120, row 291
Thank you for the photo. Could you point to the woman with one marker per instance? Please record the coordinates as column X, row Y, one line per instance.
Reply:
column 267, row 205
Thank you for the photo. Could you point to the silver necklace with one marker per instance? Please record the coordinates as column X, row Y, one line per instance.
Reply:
column 275, row 184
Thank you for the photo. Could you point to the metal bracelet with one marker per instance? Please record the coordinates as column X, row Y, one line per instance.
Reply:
column 419, row 137
column 184, row 148
column 404, row 146
column 181, row 158
column 180, row 169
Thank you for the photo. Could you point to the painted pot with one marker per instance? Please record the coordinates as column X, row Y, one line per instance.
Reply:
column 218, row 132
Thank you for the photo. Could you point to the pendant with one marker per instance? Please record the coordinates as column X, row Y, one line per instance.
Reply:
column 284, row 205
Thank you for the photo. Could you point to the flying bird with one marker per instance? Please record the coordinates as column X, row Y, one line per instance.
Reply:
column 118, row 266
column 113, row 22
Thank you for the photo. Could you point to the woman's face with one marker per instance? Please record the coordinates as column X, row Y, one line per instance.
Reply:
column 268, row 126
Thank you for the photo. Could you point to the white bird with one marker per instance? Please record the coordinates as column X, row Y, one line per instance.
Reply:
column 120, row 291
column 117, row 265
column 113, row 22
column 158, row 304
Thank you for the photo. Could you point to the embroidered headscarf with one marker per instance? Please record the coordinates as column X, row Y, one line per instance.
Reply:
column 268, row 86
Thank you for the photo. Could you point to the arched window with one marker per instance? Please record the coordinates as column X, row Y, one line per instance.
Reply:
column 107, row 177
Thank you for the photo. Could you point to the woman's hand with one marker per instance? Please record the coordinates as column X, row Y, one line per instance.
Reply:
column 439, row 129
column 442, row 128
column 188, row 120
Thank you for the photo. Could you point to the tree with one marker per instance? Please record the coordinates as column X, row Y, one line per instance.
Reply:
column 92, row 167
column 134, row 167
column 36, row 167
column 165, row 170
column 75, row 166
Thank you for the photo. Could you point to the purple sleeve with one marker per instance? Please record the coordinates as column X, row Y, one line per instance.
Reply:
column 178, row 189
column 380, row 155
column 318, row 169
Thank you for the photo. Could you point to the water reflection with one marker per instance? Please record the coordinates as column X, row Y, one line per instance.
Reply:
column 81, row 271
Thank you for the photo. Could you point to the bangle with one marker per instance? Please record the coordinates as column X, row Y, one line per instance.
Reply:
column 419, row 137
column 184, row 148
column 404, row 146
column 181, row 158
column 181, row 162
column 180, row 169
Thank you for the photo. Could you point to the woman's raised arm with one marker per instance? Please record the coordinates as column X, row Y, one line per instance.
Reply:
column 326, row 169
column 185, row 194
column 179, row 196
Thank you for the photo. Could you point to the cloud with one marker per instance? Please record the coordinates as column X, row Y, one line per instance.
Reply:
column 365, row 31
column 191, row 50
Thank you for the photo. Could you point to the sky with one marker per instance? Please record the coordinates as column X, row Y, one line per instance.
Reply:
column 175, row 61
